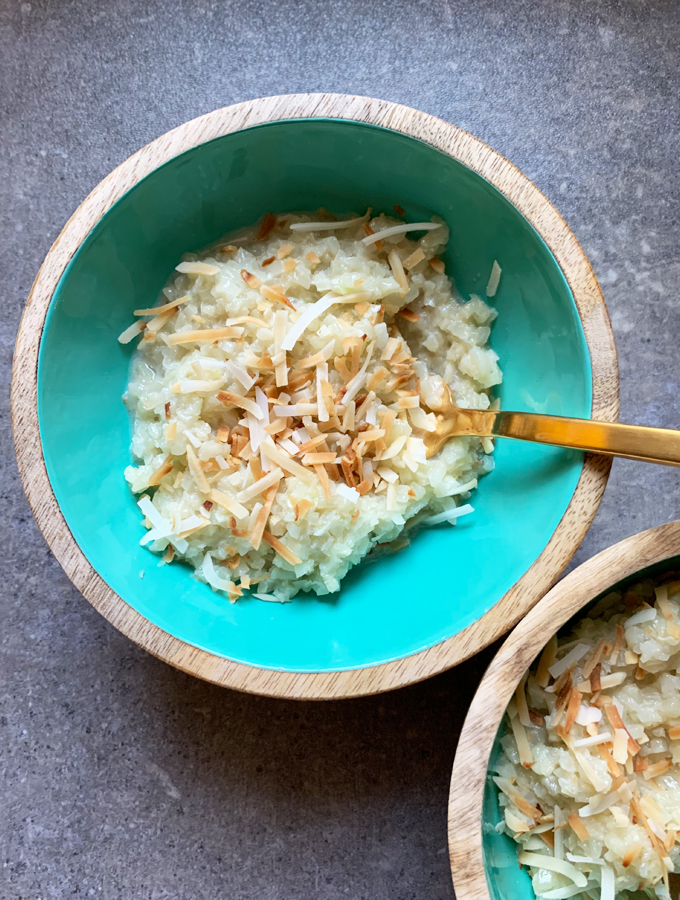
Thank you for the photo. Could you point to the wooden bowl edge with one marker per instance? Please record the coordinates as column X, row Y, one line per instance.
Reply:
column 468, row 777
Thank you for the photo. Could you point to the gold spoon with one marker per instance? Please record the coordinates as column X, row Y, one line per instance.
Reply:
column 657, row 445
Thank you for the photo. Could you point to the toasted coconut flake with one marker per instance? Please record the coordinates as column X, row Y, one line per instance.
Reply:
column 250, row 320
column 674, row 732
column 281, row 549
column 409, row 315
column 409, row 402
column 318, row 459
column 131, row 332
column 251, row 280
column 262, row 517
column 229, row 503
column 390, row 348
column 389, row 417
column 167, row 307
column 593, row 659
column 577, row 825
column 261, row 485
column 223, row 434
column 398, row 271
column 285, row 462
column 206, row 334
column 412, row 261
column 515, row 796
column 198, row 268
column 612, row 766
column 228, row 248
column 322, row 475
column 573, row 707
column 313, row 442
column 284, row 250
column 596, row 678
column 231, row 399
column 369, row 231
column 302, row 507
column 290, row 265
column 364, row 486
column 631, row 855
column 525, row 755
column 672, row 628
column 398, row 210
column 311, row 361
column 313, row 259
column 276, row 427
column 657, row 768
column 277, row 295
column 547, row 837
column 268, row 262
column 171, row 431
column 616, row 722
column 399, row 229
column 164, row 469
column 197, row 471
column 330, row 226
column 620, row 751
column 376, row 378
column 437, row 265
column 347, row 472
column 266, row 226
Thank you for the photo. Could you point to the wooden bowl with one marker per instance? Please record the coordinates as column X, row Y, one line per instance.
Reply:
column 398, row 620
column 647, row 554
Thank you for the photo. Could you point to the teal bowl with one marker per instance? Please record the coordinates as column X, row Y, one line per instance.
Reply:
column 484, row 862
column 452, row 590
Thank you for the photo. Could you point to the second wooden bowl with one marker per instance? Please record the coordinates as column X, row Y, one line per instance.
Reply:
column 484, row 863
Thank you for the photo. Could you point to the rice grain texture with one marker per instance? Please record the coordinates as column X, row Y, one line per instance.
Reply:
column 280, row 397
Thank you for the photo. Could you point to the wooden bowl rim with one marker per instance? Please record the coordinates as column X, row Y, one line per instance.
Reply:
column 566, row 599
column 519, row 599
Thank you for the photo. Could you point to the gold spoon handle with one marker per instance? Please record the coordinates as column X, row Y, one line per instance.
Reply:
column 657, row 445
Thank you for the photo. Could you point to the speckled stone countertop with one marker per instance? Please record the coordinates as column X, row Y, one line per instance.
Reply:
column 123, row 778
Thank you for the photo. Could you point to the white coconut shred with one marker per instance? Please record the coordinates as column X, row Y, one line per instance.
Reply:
column 589, row 776
column 280, row 395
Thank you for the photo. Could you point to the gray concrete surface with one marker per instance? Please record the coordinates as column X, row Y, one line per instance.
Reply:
column 122, row 778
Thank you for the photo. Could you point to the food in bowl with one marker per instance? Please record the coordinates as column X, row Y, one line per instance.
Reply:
column 281, row 391
column 589, row 775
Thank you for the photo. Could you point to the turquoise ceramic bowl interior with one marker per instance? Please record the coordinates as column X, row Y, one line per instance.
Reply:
column 505, row 880
column 449, row 576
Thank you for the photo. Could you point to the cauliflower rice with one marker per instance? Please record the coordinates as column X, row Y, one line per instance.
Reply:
column 589, row 776
column 281, row 392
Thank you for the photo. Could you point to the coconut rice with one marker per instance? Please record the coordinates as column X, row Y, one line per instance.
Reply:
column 589, row 775
column 280, row 394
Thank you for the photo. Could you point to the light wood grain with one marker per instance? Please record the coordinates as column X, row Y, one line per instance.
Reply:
column 570, row 531
column 502, row 677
